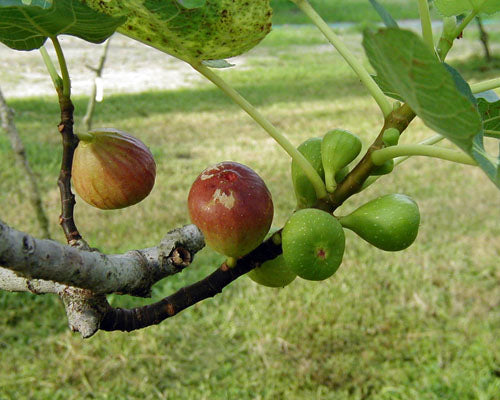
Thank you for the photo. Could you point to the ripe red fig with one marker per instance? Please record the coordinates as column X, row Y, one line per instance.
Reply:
column 112, row 169
column 232, row 206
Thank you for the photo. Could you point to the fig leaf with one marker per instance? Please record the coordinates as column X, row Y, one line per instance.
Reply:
column 193, row 30
column 26, row 25
column 427, row 85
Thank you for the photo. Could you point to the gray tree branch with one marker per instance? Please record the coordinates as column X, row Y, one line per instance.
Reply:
column 131, row 273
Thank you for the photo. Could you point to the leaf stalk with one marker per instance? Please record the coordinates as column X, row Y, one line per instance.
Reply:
column 354, row 63
column 381, row 156
column 279, row 137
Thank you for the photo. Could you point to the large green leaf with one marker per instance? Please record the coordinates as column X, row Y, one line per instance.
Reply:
column 193, row 30
column 26, row 24
column 457, row 7
column 435, row 92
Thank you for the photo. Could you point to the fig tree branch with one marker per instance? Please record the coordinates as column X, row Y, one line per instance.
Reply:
column 84, row 310
column 69, row 143
column 131, row 273
column 353, row 182
column 9, row 126
column 141, row 317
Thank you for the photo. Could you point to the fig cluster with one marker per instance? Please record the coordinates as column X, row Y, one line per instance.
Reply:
column 233, row 208
column 313, row 240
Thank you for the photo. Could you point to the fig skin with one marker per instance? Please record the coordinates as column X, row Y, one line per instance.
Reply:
column 388, row 222
column 303, row 188
column 232, row 206
column 338, row 148
column 112, row 169
column 313, row 244
column 273, row 273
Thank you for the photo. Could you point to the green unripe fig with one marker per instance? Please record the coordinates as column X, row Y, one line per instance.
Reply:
column 384, row 169
column 313, row 244
column 273, row 273
column 338, row 149
column 390, row 137
column 340, row 175
column 389, row 222
column 304, row 189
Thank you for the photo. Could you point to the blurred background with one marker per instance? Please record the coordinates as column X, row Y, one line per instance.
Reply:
column 419, row 324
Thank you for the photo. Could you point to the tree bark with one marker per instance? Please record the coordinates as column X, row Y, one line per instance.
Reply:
column 131, row 273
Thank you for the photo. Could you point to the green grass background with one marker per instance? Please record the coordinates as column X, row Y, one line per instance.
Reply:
column 419, row 324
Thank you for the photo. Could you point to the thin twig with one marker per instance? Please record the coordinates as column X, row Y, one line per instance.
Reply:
column 87, row 119
column 69, row 142
column 352, row 184
column 8, row 124
column 141, row 317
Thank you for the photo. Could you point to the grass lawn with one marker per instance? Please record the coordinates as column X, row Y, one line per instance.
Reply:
column 419, row 324
column 285, row 12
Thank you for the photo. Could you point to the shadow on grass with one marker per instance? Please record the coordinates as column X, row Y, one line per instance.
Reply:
column 122, row 106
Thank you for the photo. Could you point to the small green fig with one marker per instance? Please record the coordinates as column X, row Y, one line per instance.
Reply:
column 313, row 244
column 273, row 273
column 390, row 137
column 389, row 222
column 338, row 149
column 384, row 169
column 304, row 190
column 340, row 175
column 112, row 169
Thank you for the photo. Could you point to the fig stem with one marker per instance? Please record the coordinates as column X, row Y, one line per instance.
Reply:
column 56, row 79
column 446, row 41
column 66, row 82
column 354, row 63
column 330, row 181
column 485, row 85
column 136, row 318
column 231, row 262
column 381, row 156
column 425, row 21
column 398, row 160
column 85, row 136
column 353, row 182
column 280, row 138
